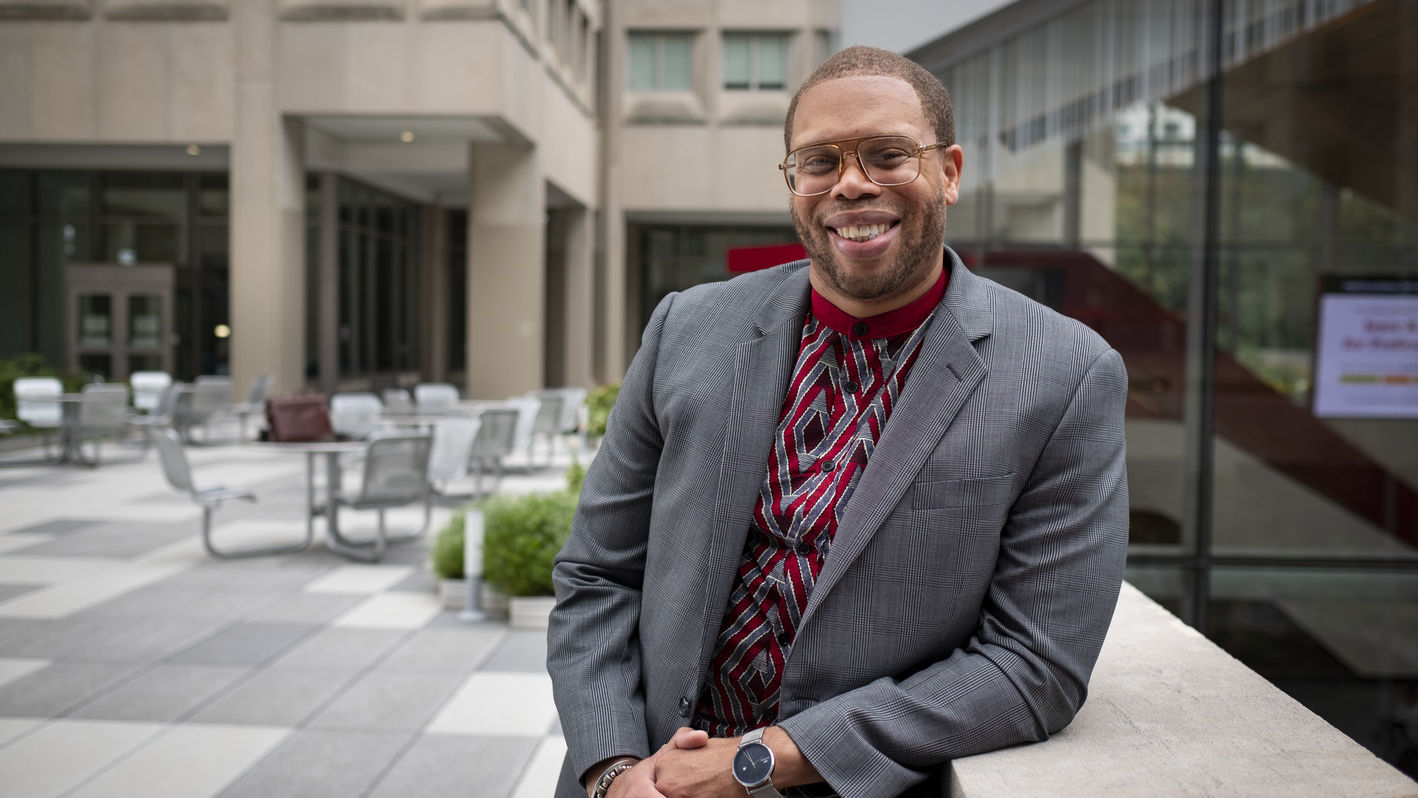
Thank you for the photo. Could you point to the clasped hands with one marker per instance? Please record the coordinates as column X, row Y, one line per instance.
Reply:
column 690, row 765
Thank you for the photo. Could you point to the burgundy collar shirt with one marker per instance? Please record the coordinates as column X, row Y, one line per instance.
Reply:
column 848, row 375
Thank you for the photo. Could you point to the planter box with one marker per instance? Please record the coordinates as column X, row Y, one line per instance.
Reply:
column 530, row 612
column 494, row 601
column 453, row 593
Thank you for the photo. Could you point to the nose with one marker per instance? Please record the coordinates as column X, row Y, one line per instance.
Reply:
column 853, row 182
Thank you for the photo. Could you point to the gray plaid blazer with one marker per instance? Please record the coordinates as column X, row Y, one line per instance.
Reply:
column 971, row 579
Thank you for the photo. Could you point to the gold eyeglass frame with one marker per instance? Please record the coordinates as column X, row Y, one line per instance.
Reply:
column 842, row 152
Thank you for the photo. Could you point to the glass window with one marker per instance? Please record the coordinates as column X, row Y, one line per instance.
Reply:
column 661, row 61
column 62, row 194
column 16, row 300
column 14, row 192
column 213, row 196
column 129, row 243
column 144, row 194
column 756, row 61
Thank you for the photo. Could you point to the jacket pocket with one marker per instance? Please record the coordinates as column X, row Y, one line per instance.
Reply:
column 978, row 492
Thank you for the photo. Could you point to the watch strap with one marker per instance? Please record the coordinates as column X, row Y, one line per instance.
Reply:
column 766, row 789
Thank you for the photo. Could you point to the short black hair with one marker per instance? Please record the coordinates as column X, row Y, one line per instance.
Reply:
column 859, row 60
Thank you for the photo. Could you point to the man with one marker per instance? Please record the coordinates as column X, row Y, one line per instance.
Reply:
column 851, row 518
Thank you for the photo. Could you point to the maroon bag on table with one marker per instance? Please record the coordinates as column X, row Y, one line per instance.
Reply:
column 293, row 419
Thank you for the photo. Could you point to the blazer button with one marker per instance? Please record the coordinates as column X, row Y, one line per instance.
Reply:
column 684, row 706
column 828, row 466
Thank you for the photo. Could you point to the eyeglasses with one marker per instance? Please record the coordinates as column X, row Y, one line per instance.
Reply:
column 885, row 160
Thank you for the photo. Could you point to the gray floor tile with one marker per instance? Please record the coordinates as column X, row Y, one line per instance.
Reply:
column 522, row 650
column 54, row 690
column 153, row 641
column 146, row 602
column 62, row 636
column 9, row 627
column 245, row 644
column 307, row 608
column 351, row 649
column 276, row 697
column 58, row 526
column 124, row 539
column 459, row 650
column 440, row 765
column 322, row 764
column 226, row 605
column 164, row 693
column 389, row 701
column 10, row 591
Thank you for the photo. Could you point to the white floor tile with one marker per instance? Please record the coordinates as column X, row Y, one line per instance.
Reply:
column 398, row 610
column 64, row 754
column 539, row 778
column 73, row 595
column 10, row 728
column 189, row 761
column 12, row 669
column 19, row 540
column 360, row 579
column 516, row 704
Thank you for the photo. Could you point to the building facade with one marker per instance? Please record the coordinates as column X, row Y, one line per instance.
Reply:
column 298, row 187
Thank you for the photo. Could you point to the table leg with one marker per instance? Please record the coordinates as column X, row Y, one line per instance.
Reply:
column 310, row 509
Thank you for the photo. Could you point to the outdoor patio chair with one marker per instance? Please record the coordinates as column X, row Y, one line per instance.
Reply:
column 148, row 387
column 37, row 404
column 449, row 458
column 497, row 433
column 205, row 400
column 547, row 423
column 397, row 400
column 355, row 415
column 435, row 397
column 255, row 403
column 161, row 416
column 179, row 475
column 395, row 475
column 103, row 413
column 527, row 408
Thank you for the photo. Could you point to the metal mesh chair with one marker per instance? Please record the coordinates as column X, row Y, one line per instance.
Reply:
column 37, row 404
column 103, row 413
column 449, row 457
column 435, row 397
column 496, row 438
column 355, row 415
column 148, row 388
column 395, row 475
column 179, row 475
column 255, row 404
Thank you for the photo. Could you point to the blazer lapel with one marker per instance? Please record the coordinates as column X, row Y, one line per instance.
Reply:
column 945, row 374
column 763, row 366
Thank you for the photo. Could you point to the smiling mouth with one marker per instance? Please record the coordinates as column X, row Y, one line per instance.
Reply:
column 862, row 232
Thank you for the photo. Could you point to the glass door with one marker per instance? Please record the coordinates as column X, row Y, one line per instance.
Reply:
column 122, row 319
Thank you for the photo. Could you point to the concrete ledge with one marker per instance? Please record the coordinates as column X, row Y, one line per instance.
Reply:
column 1170, row 713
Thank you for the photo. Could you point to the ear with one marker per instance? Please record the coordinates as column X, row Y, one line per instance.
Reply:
column 952, row 159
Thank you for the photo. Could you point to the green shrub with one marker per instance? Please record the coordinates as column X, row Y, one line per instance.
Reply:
column 575, row 475
column 447, row 551
column 599, row 402
column 521, row 536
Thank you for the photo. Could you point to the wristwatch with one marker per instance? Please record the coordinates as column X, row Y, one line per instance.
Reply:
column 753, row 766
column 603, row 784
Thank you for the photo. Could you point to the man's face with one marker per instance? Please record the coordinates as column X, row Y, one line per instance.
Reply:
column 865, row 275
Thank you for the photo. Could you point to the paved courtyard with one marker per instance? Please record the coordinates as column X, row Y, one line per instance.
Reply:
column 133, row 664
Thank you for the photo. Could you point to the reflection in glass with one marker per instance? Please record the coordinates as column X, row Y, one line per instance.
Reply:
column 144, row 321
column 95, row 320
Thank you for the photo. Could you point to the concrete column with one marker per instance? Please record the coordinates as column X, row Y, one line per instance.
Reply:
column 506, row 270
column 267, row 215
column 577, row 326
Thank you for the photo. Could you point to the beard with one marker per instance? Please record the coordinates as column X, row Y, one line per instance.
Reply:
column 921, row 242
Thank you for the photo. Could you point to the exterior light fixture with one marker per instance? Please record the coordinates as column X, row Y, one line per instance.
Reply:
column 193, row 149
column 222, row 331
column 407, row 136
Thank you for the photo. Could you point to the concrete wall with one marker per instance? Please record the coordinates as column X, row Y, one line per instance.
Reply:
column 1170, row 714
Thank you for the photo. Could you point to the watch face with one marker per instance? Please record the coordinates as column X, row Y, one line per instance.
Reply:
column 753, row 764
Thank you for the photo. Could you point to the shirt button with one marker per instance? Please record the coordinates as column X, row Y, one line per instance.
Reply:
column 684, row 706
column 859, row 329
column 851, row 387
column 828, row 466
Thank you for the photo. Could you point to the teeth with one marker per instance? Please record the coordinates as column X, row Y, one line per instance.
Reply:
column 861, row 232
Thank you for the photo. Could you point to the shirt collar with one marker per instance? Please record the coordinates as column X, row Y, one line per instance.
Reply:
column 893, row 322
